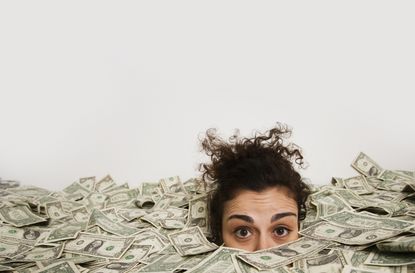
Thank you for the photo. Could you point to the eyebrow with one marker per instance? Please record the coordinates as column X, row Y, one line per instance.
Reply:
column 245, row 218
column 249, row 219
column 278, row 216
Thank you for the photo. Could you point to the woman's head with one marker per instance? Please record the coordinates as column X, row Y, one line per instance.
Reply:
column 259, row 196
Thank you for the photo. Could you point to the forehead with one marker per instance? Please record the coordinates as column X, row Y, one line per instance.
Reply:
column 273, row 200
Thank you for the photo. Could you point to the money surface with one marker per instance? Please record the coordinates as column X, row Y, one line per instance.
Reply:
column 191, row 242
column 363, row 223
column 366, row 166
column 347, row 235
column 99, row 245
column 19, row 216
column 283, row 255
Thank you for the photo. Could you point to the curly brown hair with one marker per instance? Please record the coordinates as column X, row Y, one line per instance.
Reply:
column 255, row 164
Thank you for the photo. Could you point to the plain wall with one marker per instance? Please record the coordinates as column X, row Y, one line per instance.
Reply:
column 89, row 88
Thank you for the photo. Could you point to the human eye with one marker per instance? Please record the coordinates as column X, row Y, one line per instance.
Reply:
column 281, row 231
column 242, row 232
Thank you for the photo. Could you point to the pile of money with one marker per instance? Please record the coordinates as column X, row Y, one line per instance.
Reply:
column 5, row 184
column 364, row 223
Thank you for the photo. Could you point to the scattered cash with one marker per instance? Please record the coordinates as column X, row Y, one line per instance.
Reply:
column 275, row 257
column 363, row 223
column 5, row 184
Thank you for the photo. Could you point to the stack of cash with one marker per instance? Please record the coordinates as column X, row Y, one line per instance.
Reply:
column 364, row 223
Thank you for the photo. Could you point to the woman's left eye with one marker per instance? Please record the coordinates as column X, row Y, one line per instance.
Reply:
column 281, row 231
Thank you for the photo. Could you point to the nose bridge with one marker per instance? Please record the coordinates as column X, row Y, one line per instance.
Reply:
column 264, row 241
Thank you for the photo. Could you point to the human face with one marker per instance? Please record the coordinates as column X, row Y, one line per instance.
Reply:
column 259, row 220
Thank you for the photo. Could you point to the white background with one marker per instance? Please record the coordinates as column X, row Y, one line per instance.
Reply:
column 89, row 88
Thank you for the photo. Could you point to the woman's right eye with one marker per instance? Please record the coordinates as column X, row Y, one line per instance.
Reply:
column 242, row 233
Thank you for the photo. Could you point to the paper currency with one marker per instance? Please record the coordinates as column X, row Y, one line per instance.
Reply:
column 358, row 184
column 40, row 253
column 219, row 261
column 6, row 184
column 353, row 219
column 198, row 213
column 19, row 216
column 98, row 218
column 61, row 267
column 99, row 245
column 390, row 258
column 401, row 244
column 366, row 166
column 364, row 223
column 347, row 235
column 334, row 261
column 283, row 255
column 10, row 249
column 191, row 241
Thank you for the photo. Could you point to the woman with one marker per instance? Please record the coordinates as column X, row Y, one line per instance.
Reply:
column 259, row 197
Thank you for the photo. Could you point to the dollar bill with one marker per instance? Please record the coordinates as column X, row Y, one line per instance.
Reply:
column 117, row 188
column 61, row 267
column 76, row 188
column 351, row 269
column 338, row 182
column 103, row 221
column 404, row 243
column 6, row 184
column 327, row 202
column 347, row 235
column 131, row 214
column 88, row 182
column 54, row 210
column 29, row 191
column 242, row 267
column 114, row 267
column 351, row 198
column 192, row 261
column 178, row 199
column 149, row 188
column 219, row 261
column 358, row 184
column 157, row 216
column 394, row 176
column 144, row 201
column 64, row 232
column 19, row 216
column 122, row 197
column 162, row 203
column 359, row 220
column 191, row 241
column 4, row 268
column 40, row 253
column 69, row 258
column 99, row 245
column 334, row 261
column 196, row 185
column 366, row 166
column 136, row 253
column 283, row 255
column 105, row 184
column 165, row 263
column 398, row 186
column 95, row 200
column 173, row 223
column 198, row 213
column 390, row 258
column 80, row 215
column 24, row 235
column 10, row 249
column 172, row 185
